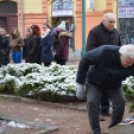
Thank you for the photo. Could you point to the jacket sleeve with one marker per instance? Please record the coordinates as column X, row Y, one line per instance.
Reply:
column 60, row 47
column 120, row 44
column 92, row 41
column 21, row 42
column 34, row 47
column 92, row 57
column 24, row 49
column 8, row 48
column 49, row 44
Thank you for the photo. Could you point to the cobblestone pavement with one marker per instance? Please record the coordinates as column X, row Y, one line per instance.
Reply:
column 68, row 121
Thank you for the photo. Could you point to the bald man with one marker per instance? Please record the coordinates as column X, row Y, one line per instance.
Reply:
column 103, row 34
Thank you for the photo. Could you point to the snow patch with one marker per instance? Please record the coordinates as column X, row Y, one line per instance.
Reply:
column 48, row 119
column 37, row 120
column 18, row 125
column 35, row 108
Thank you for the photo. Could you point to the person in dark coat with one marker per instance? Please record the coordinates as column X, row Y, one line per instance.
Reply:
column 4, row 47
column 33, row 49
column 55, row 40
column 62, row 51
column 104, row 34
column 26, row 41
column 104, row 68
column 46, row 43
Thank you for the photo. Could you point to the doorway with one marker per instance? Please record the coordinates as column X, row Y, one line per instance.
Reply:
column 8, row 14
column 69, row 27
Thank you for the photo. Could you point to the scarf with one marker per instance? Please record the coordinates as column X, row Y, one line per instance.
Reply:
column 45, row 33
column 27, row 36
column 16, row 36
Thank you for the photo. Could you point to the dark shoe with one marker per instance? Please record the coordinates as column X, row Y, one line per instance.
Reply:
column 101, row 118
column 106, row 114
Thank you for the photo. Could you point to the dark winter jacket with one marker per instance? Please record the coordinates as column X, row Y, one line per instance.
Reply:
column 0, row 39
column 55, row 41
column 33, row 50
column 46, row 52
column 25, row 49
column 63, row 47
column 4, row 50
column 99, row 35
column 106, row 71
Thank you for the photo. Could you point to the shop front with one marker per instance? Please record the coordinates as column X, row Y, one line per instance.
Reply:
column 126, row 21
column 62, row 10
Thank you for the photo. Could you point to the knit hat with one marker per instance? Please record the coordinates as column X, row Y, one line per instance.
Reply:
column 62, row 26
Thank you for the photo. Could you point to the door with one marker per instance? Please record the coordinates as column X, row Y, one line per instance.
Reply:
column 3, row 22
column 12, row 22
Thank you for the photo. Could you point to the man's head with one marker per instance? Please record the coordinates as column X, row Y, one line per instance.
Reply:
column 109, row 21
column 2, row 31
column 127, row 55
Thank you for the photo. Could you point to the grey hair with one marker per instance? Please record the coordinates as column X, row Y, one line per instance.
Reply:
column 106, row 16
column 127, row 51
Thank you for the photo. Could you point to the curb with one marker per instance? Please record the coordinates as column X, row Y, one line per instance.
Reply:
column 27, row 100
column 45, row 128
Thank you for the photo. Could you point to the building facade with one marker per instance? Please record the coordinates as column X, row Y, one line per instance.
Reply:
column 54, row 12
column 126, row 21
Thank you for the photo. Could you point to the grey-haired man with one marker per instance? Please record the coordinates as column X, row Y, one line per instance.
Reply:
column 104, row 34
column 105, row 67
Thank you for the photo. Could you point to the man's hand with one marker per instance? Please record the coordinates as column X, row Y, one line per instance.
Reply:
column 80, row 92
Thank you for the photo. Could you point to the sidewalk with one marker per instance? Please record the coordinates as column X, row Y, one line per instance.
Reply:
column 73, row 60
column 68, row 121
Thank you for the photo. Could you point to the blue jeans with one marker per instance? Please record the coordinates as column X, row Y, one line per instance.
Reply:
column 16, row 56
column 104, row 102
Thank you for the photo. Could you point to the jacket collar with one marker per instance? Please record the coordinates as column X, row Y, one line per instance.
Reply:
column 118, row 57
column 5, row 36
column 105, row 29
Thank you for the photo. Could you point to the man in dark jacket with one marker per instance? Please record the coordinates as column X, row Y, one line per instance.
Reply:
column 105, row 67
column 4, row 47
column 104, row 34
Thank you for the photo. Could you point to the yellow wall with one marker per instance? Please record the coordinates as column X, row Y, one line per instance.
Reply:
column 114, row 6
column 100, row 5
column 32, row 6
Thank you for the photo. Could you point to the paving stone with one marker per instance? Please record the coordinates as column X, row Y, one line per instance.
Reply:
column 42, row 125
column 24, row 99
column 31, row 124
column 124, row 129
column 52, row 128
column 48, row 129
column 43, row 131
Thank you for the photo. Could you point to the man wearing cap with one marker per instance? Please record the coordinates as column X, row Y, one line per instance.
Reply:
column 104, row 34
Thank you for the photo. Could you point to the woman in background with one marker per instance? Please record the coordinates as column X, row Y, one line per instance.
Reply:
column 4, row 47
column 46, row 43
column 33, row 49
column 62, row 51
column 16, row 43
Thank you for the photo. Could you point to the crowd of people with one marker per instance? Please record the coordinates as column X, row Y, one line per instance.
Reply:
column 35, row 48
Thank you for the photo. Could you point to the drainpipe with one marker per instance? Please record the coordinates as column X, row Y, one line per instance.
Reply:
column 22, row 20
column 83, row 29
